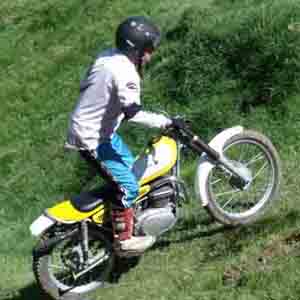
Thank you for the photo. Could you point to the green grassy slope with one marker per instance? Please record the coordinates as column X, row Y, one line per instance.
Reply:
column 44, row 49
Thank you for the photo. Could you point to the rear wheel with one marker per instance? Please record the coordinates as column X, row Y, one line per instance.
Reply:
column 60, row 270
column 232, row 205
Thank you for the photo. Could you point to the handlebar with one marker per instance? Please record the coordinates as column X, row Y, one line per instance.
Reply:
column 193, row 141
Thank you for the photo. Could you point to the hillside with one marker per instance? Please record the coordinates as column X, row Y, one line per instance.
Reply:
column 221, row 63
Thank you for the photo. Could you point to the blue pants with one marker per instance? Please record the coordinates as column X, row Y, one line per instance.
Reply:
column 118, row 161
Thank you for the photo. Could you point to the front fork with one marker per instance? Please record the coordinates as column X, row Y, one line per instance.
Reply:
column 180, row 187
column 242, row 176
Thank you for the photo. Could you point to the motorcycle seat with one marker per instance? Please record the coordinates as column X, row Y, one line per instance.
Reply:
column 88, row 201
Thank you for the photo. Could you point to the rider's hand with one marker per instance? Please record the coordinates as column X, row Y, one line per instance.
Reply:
column 178, row 123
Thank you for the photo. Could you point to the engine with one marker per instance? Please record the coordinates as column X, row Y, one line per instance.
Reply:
column 159, row 214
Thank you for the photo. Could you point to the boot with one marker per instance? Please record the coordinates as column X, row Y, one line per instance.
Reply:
column 122, row 220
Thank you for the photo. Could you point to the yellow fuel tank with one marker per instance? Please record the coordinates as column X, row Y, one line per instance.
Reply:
column 156, row 160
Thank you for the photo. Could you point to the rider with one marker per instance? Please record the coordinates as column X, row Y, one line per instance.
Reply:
column 109, row 94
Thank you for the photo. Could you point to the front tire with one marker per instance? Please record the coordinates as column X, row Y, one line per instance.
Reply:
column 54, row 268
column 233, row 206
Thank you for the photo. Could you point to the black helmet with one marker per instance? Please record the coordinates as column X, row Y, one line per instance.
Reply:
column 136, row 34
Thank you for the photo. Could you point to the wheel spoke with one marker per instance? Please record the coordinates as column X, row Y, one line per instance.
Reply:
column 58, row 267
column 242, row 155
column 216, row 181
column 228, row 193
column 260, row 170
column 256, row 158
column 66, row 277
column 227, row 202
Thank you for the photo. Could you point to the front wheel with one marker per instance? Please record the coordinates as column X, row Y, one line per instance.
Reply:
column 232, row 205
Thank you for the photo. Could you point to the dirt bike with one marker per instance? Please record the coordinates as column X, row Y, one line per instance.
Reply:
column 237, row 178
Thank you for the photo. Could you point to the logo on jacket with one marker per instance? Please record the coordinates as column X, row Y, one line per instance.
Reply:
column 132, row 86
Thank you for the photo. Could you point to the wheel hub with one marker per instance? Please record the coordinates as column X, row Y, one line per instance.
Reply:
column 239, row 182
column 72, row 258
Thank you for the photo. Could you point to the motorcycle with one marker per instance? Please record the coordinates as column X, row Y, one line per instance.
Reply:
column 237, row 178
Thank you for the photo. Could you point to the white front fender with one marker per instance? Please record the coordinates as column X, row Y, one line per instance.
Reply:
column 205, row 165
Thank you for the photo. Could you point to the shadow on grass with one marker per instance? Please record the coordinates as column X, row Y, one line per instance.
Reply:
column 33, row 292
column 189, row 237
column 188, row 230
column 30, row 292
column 123, row 266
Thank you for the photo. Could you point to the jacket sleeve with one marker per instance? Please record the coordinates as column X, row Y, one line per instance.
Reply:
column 150, row 119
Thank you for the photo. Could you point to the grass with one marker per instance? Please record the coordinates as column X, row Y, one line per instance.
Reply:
column 198, row 260
column 45, row 48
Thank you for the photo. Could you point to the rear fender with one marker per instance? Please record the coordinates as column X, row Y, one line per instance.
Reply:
column 66, row 213
column 41, row 224
column 205, row 165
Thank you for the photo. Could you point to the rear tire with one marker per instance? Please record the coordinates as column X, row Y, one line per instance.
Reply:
column 227, row 204
column 53, row 268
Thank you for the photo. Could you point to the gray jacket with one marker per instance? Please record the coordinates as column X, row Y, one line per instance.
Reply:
column 109, row 93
